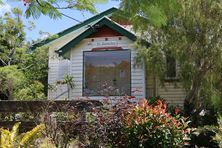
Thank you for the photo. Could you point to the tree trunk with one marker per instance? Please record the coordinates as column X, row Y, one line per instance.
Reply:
column 189, row 103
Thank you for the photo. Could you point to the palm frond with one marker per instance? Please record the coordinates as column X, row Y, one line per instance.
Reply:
column 14, row 132
column 5, row 138
column 30, row 135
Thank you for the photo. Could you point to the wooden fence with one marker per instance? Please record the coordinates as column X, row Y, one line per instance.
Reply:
column 13, row 108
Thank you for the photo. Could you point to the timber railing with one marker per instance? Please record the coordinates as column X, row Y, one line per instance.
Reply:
column 11, row 110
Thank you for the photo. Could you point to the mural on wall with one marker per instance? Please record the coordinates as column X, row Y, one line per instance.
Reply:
column 107, row 73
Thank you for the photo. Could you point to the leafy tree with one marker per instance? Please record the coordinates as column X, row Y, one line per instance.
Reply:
column 23, row 73
column 12, row 37
column 34, row 91
column 192, row 35
column 144, row 13
column 52, row 8
column 35, row 66
column 15, row 84
column 11, row 80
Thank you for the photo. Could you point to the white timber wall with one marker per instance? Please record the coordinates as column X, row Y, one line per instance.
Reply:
column 58, row 67
column 76, row 69
column 172, row 92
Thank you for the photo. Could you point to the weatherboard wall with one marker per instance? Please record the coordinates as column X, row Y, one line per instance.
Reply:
column 58, row 67
column 172, row 91
column 76, row 68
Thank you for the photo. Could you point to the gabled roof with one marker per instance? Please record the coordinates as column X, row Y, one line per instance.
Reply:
column 87, row 31
column 76, row 27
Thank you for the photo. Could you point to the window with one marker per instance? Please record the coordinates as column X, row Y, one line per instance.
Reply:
column 107, row 73
column 171, row 67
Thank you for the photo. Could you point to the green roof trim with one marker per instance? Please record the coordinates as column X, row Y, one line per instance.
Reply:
column 71, row 29
column 104, row 21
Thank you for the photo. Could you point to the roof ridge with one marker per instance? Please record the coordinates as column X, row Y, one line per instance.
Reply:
column 87, row 21
column 75, row 27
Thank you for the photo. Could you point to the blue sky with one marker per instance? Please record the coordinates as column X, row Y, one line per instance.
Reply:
column 46, row 24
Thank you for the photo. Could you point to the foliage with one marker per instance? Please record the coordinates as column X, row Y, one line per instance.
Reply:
column 62, row 129
column 115, row 124
column 203, row 136
column 11, row 139
column 144, row 13
column 35, row 91
column 148, row 126
column 69, row 81
column 140, row 125
column 20, row 69
column 12, row 37
column 16, row 85
column 172, row 109
column 35, row 67
column 192, row 36
column 11, row 80
column 34, row 62
column 218, row 136
column 52, row 8
column 106, row 124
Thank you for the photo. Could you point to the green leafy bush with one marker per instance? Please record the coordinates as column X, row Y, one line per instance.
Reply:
column 152, row 126
column 218, row 136
column 35, row 91
column 11, row 79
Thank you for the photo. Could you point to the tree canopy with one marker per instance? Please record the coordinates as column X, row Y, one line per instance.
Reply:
column 192, row 35
column 23, row 74
column 12, row 37
column 144, row 13
column 51, row 8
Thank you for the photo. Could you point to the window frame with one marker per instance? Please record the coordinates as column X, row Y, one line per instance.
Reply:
column 171, row 79
column 105, row 49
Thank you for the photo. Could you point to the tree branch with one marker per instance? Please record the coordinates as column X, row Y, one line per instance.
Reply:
column 3, row 62
column 58, row 7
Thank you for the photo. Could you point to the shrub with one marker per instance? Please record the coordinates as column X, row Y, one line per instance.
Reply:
column 172, row 109
column 106, row 124
column 121, row 124
column 152, row 126
column 218, row 136
column 126, row 124
column 203, row 136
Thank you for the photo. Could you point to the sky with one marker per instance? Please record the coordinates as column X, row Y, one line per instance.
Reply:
column 45, row 24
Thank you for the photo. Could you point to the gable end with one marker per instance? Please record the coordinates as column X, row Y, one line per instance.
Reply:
column 103, row 22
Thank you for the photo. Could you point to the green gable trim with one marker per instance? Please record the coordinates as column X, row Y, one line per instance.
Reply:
column 105, row 21
column 71, row 29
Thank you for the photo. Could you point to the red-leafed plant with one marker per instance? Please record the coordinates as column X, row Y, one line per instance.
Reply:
column 152, row 126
